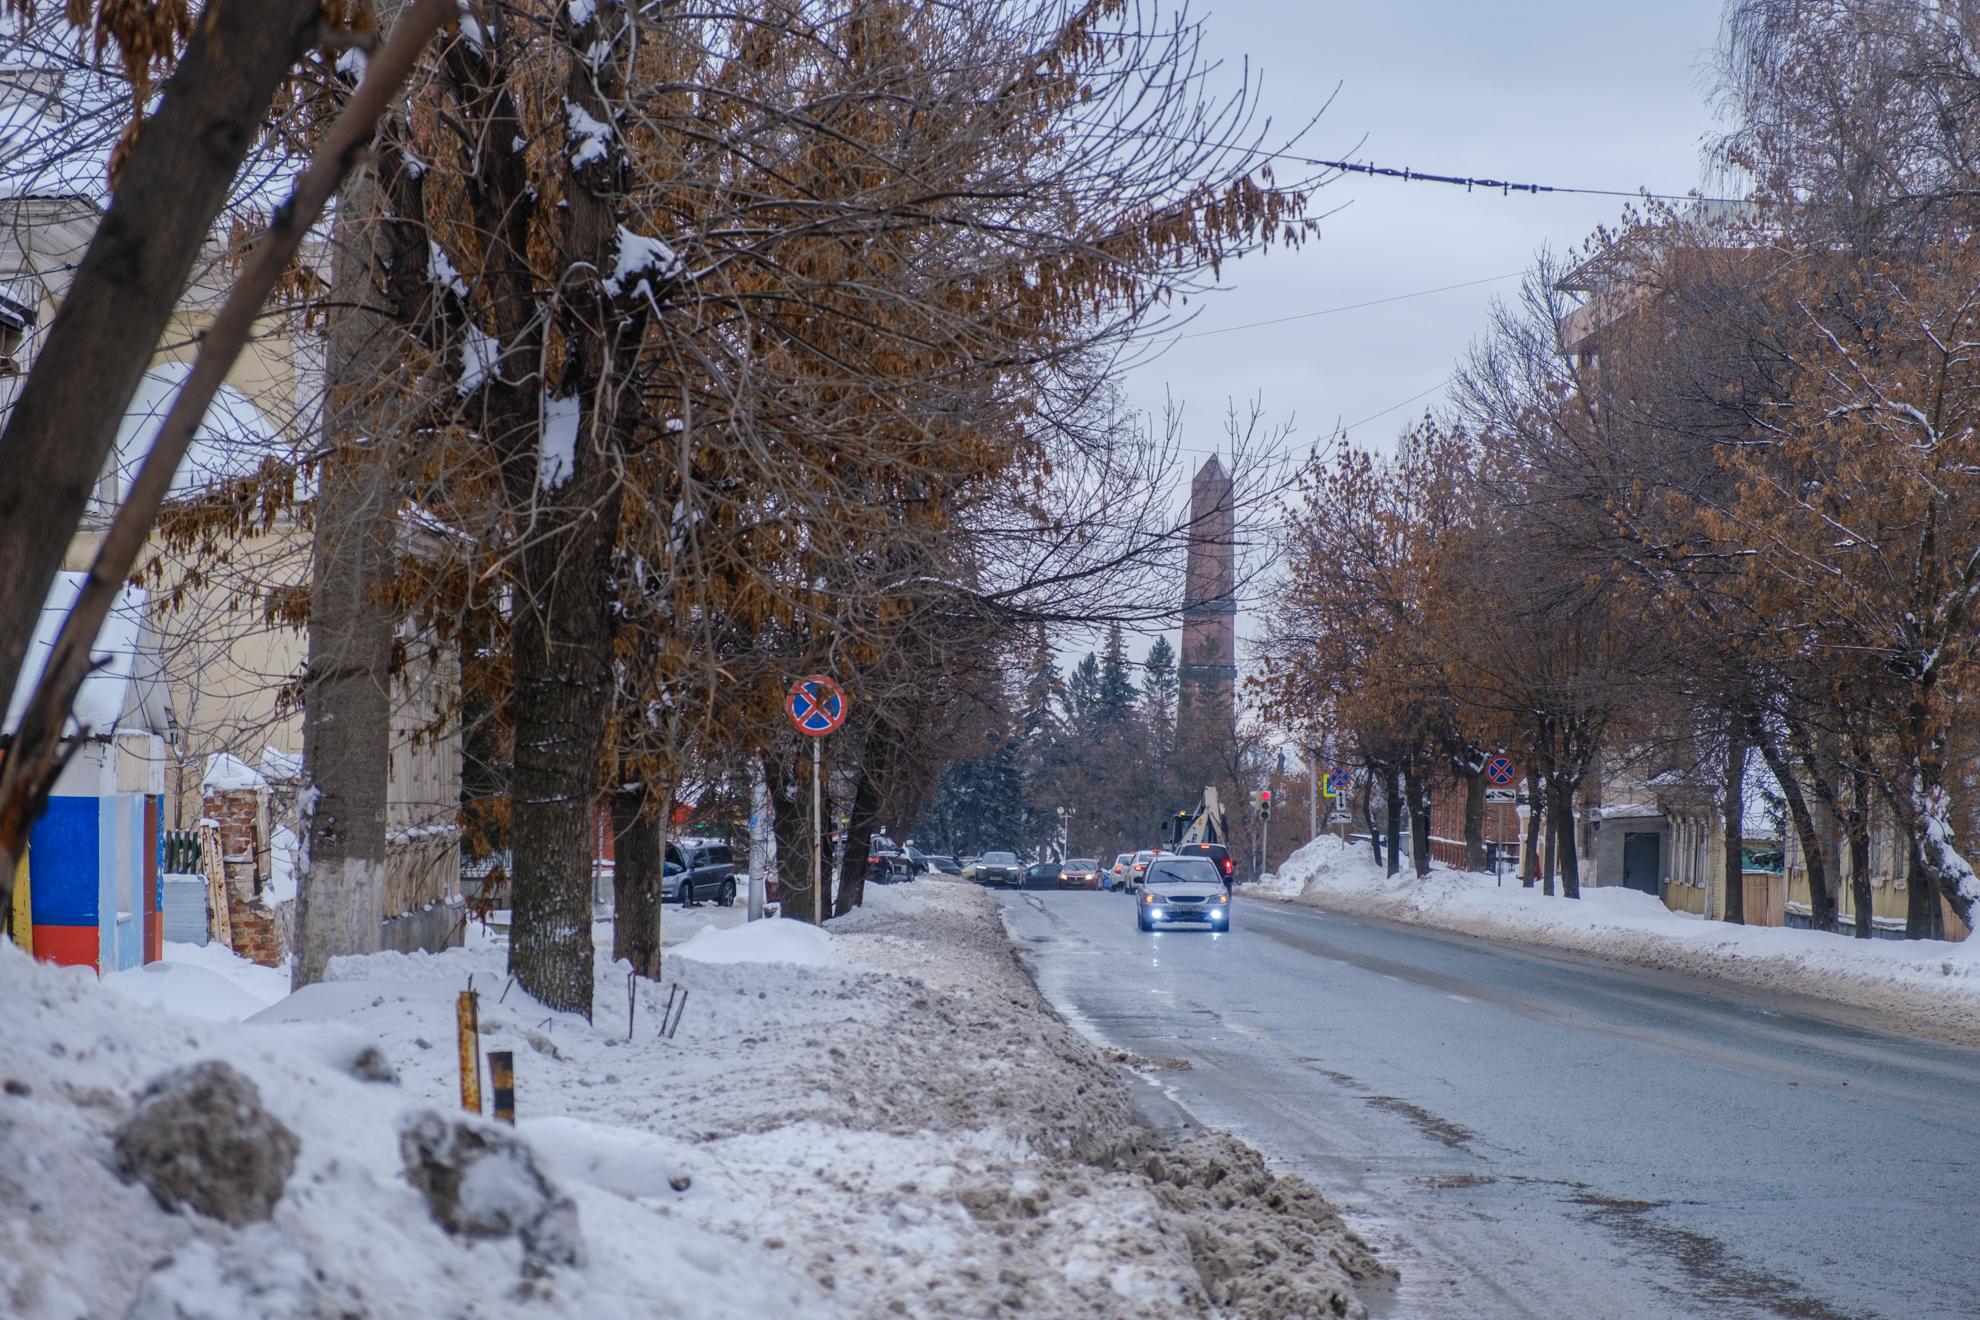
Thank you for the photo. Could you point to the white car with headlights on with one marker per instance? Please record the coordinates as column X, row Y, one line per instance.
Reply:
column 1182, row 890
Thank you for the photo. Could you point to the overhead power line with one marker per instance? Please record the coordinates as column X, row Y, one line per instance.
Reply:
column 1404, row 404
column 1346, row 307
column 1503, row 186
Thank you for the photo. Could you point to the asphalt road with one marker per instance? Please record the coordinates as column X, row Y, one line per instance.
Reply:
column 1525, row 1133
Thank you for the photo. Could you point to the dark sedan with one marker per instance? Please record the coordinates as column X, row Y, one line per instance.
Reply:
column 996, row 868
column 1043, row 875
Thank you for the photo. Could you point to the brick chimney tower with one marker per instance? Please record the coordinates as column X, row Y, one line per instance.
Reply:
column 1206, row 712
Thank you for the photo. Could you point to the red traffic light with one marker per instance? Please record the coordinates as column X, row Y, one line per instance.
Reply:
column 1265, row 795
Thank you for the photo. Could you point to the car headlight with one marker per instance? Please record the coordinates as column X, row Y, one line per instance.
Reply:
column 1147, row 896
column 1223, row 898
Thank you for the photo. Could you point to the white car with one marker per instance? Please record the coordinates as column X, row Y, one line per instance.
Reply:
column 1179, row 890
column 1138, row 866
column 1121, row 872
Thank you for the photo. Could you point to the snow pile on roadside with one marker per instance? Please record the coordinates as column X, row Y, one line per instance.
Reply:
column 899, row 1128
column 1933, row 984
column 774, row 940
column 207, row 981
column 1325, row 856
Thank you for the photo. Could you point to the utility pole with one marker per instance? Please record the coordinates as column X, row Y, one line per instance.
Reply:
column 1312, row 795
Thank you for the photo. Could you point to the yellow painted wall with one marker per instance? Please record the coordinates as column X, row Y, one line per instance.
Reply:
column 22, row 917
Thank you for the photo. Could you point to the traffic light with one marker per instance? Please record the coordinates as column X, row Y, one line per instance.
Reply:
column 1265, row 804
column 1257, row 802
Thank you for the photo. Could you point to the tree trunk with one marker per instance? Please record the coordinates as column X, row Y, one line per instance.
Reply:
column 347, row 694
column 1921, row 907
column 639, row 851
column 1732, row 810
column 790, row 816
column 1529, row 870
column 1821, row 896
column 565, row 612
column 1419, row 819
column 61, row 428
column 561, row 649
column 1856, row 823
column 1368, row 813
column 1560, row 807
column 563, row 700
column 805, row 900
column 1947, row 873
column 1475, row 856
column 1551, row 858
column 1392, row 796
column 859, row 835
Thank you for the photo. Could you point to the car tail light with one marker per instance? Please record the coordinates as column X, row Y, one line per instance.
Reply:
column 873, row 861
column 1228, row 866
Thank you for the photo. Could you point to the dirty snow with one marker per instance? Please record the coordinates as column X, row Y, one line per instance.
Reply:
column 1931, row 986
column 904, row 1129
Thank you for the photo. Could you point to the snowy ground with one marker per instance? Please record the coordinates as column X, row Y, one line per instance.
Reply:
column 883, row 1120
column 1930, row 986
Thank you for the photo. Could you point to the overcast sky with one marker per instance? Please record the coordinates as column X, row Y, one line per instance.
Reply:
column 1596, row 94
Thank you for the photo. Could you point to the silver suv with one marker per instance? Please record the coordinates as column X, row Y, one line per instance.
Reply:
column 698, row 869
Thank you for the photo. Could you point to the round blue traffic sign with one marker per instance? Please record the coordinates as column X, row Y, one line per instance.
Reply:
column 1500, row 771
column 816, row 705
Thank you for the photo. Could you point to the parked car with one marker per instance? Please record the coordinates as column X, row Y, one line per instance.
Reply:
column 696, row 869
column 1080, row 873
column 1138, row 867
column 1216, row 852
column 996, row 868
column 1043, row 875
column 888, row 863
column 1183, row 889
column 1121, row 872
column 942, row 864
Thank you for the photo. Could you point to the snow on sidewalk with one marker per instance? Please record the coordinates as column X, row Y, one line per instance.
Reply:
column 1929, row 985
column 880, row 1118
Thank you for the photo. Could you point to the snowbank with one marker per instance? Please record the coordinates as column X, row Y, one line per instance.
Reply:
column 774, row 940
column 899, row 1127
column 205, row 981
column 1927, row 985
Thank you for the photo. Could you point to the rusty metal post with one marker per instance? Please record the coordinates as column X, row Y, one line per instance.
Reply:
column 502, row 1080
column 467, row 1020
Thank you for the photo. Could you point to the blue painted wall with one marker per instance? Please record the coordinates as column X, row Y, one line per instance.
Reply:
column 66, row 848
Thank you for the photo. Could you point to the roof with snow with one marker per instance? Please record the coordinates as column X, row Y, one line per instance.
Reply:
column 125, row 692
column 232, row 440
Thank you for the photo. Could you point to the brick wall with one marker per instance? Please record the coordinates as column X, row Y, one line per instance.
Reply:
column 261, row 930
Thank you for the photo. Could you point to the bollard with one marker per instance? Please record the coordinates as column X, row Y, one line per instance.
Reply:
column 502, row 1080
column 467, row 1021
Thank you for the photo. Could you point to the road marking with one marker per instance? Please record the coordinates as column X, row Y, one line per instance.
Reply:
column 1460, row 998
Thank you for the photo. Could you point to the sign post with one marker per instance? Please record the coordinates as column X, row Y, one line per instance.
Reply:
column 1500, row 772
column 817, row 707
column 1338, row 781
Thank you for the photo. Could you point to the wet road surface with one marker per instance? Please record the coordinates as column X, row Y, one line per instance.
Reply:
column 1532, row 1134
